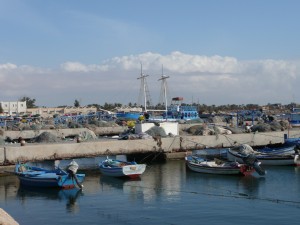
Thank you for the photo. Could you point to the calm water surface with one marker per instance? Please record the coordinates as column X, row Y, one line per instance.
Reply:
column 166, row 194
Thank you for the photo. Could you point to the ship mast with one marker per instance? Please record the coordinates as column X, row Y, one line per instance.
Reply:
column 164, row 89
column 144, row 89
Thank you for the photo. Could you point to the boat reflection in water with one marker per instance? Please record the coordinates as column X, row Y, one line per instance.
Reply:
column 245, row 186
column 128, row 185
column 68, row 195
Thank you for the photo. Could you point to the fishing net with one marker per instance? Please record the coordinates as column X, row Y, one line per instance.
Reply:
column 156, row 131
column 244, row 149
column 46, row 137
column 200, row 130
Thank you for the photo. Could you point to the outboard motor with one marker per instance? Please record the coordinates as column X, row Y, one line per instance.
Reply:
column 72, row 170
column 251, row 160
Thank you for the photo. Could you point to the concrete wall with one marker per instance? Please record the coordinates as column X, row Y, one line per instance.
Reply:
column 39, row 152
column 2, row 155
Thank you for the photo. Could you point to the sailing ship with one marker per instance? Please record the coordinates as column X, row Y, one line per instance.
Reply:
column 174, row 112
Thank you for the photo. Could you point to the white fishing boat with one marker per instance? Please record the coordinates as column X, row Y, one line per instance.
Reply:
column 118, row 168
column 216, row 166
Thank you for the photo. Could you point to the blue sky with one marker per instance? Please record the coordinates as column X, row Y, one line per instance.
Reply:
column 215, row 52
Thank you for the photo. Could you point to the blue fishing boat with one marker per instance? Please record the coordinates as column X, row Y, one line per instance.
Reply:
column 285, row 149
column 56, row 178
column 122, row 115
column 238, row 153
column 118, row 168
column 293, row 117
column 177, row 111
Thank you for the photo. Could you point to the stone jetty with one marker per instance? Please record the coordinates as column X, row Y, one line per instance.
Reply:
column 11, row 153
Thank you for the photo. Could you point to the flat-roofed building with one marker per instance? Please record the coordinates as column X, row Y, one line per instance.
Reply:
column 14, row 108
column 49, row 112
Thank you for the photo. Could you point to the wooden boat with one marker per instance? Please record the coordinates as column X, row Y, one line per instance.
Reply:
column 201, row 165
column 284, row 149
column 118, row 168
column 239, row 153
column 56, row 178
column 211, row 153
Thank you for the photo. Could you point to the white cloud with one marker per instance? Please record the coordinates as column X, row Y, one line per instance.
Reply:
column 177, row 62
column 211, row 79
column 7, row 66
column 79, row 67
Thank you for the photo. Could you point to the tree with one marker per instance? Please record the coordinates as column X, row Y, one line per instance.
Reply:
column 1, row 109
column 95, row 105
column 29, row 102
column 76, row 103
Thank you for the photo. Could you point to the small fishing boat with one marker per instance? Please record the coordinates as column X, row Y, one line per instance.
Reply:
column 119, row 168
column 56, row 178
column 217, row 166
column 284, row 149
column 238, row 153
column 211, row 153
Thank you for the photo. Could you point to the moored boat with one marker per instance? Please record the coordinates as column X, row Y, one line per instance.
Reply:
column 294, row 117
column 239, row 153
column 217, row 166
column 118, row 168
column 285, row 149
column 56, row 178
column 122, row 115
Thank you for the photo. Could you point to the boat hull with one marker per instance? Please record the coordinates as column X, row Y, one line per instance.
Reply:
column 129, row 115
column 289, row 149
column 55, row 181
column 203, row 167
column 269, row 160
column 39, row 177
column 130, row 171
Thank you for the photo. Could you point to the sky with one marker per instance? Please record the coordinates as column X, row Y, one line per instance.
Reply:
column 215, row 52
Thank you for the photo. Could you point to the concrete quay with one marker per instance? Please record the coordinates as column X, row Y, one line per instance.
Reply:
column 10, row 154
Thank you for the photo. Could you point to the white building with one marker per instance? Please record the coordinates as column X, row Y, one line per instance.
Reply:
column 14, row 108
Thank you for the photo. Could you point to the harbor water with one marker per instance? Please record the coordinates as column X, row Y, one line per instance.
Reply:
column 167, row 193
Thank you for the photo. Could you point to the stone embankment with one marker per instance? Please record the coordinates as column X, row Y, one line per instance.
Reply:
column 6, row 219
column 11, row 153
